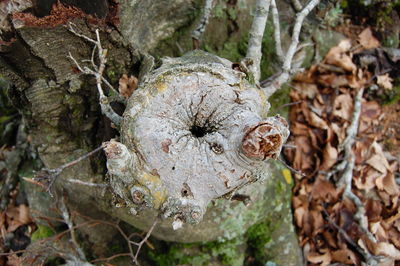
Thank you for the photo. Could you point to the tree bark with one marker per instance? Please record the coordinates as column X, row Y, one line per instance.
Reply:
column 62, row 112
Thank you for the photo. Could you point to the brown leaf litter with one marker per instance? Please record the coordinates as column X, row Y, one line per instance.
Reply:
column 328, row 230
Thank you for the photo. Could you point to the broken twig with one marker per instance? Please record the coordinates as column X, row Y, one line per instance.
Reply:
column 201, row 27
column 287, row 70
column 98, row 74
column 256, row 35
column 47, row 177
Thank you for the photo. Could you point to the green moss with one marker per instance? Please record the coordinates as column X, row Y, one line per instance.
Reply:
column 226, row 252
column 42, row 232
column 392, row 96
column 258, row 237
column 268, row 52
column 219, row 11
column 278, row 100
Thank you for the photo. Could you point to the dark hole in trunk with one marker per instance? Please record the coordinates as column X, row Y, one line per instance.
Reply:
column 198, row 131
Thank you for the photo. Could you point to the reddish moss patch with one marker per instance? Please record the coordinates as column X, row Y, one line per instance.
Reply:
column 61, row 14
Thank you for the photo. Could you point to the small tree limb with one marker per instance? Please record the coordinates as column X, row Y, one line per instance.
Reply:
column 106, row 108
column 297, row 5
column 68, row 220
column 47, row 177
column 277, row 30
column 201, row 27
column 256, row 35
column 293, row 47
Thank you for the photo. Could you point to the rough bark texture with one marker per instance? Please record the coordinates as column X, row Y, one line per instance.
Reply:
column 62, row 111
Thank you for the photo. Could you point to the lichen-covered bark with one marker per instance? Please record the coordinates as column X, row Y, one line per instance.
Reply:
column 195, row 130
column 61, row 108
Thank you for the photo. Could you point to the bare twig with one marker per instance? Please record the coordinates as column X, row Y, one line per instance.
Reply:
column 201, row 27
column 89, row 184
column 352, row 130
column 68, row 220
column 347, row 166
column 98, row 74
column 367, row 256
column 256, row 35
column 297, row 5
column 140, row 244
column 291, row 168
column 47, row 177
column 277, row 30
column 288, row 58
column 134, row 255
column 112, row 257
column 349, row 159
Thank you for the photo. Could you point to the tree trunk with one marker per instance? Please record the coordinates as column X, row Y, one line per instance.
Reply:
column 62, row 111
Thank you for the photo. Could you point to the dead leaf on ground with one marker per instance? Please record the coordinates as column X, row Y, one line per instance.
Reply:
column 385, row 81
column 386, row 249
column 14, row 260
column 17, row 216
column 368, row 40
column 343, row 106
column 378, row 159
column 345, row 256
column 338, row 56
column 330, row 155
column 127, row 85
column 321, row 259
column 388, row 184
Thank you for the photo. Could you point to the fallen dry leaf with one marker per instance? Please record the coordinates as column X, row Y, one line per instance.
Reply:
column 338, row 56
column 388, row 184
column 343, row 106
column 385, row 81
column 324, row 259
column 386, row 249
column 330, row 155
column 378, row 159
column 14, row 260
column 368, row 40
column 378, row 231
column 127, row 85
column 345, row 256
column 17, row 216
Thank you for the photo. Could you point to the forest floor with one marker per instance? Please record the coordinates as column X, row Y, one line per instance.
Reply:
column 345, row 132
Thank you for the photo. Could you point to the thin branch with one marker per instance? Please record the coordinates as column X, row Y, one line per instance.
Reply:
column 352, row 130
column 256, row 35
column 367, row 256
column 89, row 184
column 112, row 257
column 349, row 159
column 98, row 74
column 297, row 5
column 284, row 76
column 68, row 220
column 140, row 244
column 47, row 177
column 277, row 31
column 291, row 168
column 296, row 34
column 201, row 27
